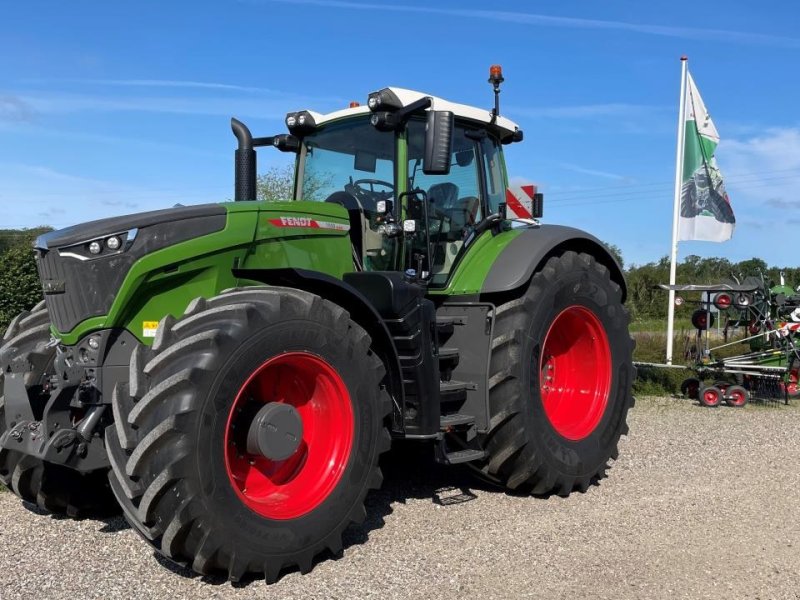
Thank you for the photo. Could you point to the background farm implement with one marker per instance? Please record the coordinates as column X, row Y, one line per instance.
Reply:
column 769, row 317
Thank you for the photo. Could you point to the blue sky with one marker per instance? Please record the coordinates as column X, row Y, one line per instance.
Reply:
column 111, row 108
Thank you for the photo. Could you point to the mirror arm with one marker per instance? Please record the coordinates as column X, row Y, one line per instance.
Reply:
column 418, row 106
column 487, row 223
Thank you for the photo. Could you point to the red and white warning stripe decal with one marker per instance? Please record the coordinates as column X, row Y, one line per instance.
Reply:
column 307, row 223
column 519, row 201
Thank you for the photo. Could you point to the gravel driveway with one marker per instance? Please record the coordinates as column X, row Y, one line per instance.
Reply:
column 701, row 504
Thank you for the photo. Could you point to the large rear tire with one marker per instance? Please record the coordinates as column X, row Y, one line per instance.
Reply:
column 560, row 379
column 53, row 488
column 183, row 466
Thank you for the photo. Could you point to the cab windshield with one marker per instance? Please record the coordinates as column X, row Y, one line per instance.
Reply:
column 349, row 156
column 352, row 164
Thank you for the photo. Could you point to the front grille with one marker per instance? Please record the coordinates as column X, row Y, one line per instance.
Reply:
column 88, row 287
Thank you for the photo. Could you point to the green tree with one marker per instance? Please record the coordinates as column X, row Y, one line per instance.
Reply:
column 20, row 288
column 616, row 253
column 277, row 184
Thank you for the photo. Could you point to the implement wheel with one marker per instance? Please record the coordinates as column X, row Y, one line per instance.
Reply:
column 53, row 488
column 249, row 435
column 736, row 396
column 560, row 379
column 690, row 387
column 710, row 396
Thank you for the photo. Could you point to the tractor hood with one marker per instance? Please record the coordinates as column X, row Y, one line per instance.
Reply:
column 82, row 267
column 87, row 232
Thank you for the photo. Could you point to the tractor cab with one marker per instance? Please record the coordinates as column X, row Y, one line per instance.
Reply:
column 419, row 176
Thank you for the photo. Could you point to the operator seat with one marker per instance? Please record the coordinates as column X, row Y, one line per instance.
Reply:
column 443, row 195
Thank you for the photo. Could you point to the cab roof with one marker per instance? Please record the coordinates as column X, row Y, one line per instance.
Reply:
column 502, row 126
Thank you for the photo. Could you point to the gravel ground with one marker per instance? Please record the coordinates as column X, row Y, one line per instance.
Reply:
column 701, row 504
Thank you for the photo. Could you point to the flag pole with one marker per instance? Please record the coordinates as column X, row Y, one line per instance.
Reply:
column 676, row 207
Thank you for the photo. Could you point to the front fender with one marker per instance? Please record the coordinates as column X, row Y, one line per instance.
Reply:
column 527, row 253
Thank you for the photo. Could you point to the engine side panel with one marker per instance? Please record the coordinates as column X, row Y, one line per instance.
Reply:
column 163, row 280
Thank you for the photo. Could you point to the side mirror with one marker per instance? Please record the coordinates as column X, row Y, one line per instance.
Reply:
column 438, row 142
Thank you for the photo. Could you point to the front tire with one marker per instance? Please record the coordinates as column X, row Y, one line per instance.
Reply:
column 183, row 466
column 560, row 379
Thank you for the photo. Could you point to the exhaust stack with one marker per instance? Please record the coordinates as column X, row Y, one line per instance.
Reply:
column 244, row 176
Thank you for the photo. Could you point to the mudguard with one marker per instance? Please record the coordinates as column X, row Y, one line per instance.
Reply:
column 360, row 308
column 528, row 252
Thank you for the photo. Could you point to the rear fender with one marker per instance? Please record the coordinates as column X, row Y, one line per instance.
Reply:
column 529, row 251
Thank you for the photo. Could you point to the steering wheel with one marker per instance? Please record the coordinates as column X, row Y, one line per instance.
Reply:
column 359, row 183
column 369, row 196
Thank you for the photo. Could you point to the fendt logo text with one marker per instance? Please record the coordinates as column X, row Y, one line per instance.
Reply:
column 307, row 223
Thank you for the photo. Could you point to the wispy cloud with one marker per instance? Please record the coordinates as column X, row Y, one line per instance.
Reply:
column 79, row 135
column 14, row 109
column 169, row 96
column 596, row 172
column 38, row 193
column 159, row 83
column 763, row 171
column 535, row 19
column 41, row 102
column 586, row 111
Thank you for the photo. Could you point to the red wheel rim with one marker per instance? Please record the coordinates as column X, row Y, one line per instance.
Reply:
column 711, row 397
column 293, row 487
column 737, row 398
column 792, row 385
column 575, row 369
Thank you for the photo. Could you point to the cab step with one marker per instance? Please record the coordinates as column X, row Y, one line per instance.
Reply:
column 445, row 325
column 455, row 387
column 446, row 354
column 455, row 420
column 459, row 456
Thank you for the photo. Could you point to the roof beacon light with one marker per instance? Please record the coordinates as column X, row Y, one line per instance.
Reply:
column 496, row 74
column 496, row 78
column 354, row 104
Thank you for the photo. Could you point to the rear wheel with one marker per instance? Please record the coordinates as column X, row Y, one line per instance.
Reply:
column 51, row 487
column 250, row 433
column 560, row 379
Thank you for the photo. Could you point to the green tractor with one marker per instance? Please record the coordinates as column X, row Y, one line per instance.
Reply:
column 230, row 374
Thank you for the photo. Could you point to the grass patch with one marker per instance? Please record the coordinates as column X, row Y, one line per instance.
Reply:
column 657, row 325
column 652, row 348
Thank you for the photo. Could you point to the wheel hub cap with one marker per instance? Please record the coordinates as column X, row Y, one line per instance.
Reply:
column 276, row 431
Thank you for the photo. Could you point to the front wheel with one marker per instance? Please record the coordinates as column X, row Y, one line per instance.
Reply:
column 560, row 379
column 249, row 435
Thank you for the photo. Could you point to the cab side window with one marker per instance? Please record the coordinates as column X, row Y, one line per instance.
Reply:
column 454, row 202
column 493, row 173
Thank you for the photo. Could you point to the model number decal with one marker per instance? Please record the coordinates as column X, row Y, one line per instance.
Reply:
column 149, row 329
column 307, row 223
